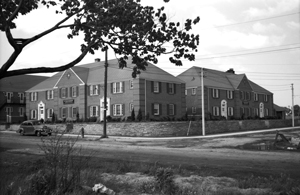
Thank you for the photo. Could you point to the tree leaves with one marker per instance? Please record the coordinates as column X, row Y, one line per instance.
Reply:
column 126, row 26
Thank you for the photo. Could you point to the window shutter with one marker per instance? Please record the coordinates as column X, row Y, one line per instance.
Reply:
column 159, row 87
column 123, row 109
column 46, row 95
column 168, row 91
column 160, row 109
column 123, row 86
column 112, row 109
column 112, row 88
column 152, row 108
column 71, row 91
column 152, row 86
column 99, row 89
column 174, row 109
column 37, row 96
column 175, row 88
column 168, row 107
column 90, row 88
column 91, row 111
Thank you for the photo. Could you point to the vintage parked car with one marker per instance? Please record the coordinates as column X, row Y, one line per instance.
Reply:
column 34, row 127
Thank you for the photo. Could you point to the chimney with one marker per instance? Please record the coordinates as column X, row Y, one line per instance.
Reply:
column 97, row 60
column 231, row 71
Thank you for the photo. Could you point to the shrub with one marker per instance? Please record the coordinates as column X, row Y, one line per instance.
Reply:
column 132, row 115
column 140, row 115
column 64, row 164
column 147, row 116
column 164, row 178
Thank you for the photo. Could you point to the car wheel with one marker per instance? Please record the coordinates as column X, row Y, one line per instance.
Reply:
column 21, row 132
column 38, row 134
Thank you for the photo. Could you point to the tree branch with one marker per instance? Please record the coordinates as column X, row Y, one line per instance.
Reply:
column 47, row 69
column 55, row 27
column 15, row 13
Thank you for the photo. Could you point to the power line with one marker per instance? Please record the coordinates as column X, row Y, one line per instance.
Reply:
column 250, row 21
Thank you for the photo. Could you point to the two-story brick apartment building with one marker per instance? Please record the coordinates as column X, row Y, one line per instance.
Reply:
column 12, row 96
column 79, row 91
column 226, row 94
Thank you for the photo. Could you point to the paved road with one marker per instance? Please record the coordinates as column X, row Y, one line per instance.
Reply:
column 219, row 155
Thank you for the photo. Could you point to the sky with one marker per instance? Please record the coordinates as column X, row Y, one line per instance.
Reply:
column 259, row 38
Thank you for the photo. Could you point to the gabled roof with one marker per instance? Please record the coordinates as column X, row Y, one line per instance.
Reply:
column 20, row 83
column 278, row 108
column 152, row 72
column 94, row 73
column 218, row 79
column 49, row 83
column 258, row 89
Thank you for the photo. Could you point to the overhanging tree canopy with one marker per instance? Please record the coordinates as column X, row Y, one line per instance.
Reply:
column 126, row 26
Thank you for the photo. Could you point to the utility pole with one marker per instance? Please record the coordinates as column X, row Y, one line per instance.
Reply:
column 105, row 96
column 202, row 94
column 293, row 117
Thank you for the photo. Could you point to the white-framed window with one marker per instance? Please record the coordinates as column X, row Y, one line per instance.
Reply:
column 216, row 111
column 9, row 96
column 118, row 87
column 94, row 90
column 33, row 114
column 33, row 96
column 156, row 109
column 247, row 95
column 242, row 95
column 171, row 87
column 117, row 110
column 229, row 94
column 255, row 111
column 50, row 94
column 21, row 111
column 171, row 110
column 74, row 91
column 255, row 96
column 64, row 112
column 266, row 112
column 22, row 97
column 194, row 110
column 156, row 87
column 93, row 111
column 242, row 110
column 265, row 98
column 194, row 91
column 185, row 92
column 131, row 84
column 215, row 93
column 49, row 112
column 131, row 107
column 74, row 112
column 230, row 111
column 63, row 92
column 8, row 110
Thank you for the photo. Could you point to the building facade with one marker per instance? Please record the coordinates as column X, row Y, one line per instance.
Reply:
column 12, row 97
column 226, row 95
column 78, row 93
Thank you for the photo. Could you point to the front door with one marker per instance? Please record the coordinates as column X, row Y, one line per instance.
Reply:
column 41, row 111
column 102, row 108
column 224, row 108
column 261, row 110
